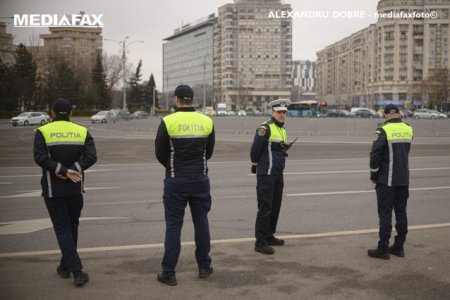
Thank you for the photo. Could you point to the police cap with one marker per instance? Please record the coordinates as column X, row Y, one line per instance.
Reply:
column 62, row 106
column 184, row 92
column 279, row 104
column 391, row 109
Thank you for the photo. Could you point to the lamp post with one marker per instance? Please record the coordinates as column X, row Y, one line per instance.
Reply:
column 204, row 80
column 123, row 45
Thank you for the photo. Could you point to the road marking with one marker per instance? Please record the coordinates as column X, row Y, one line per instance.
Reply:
column 218, row 242
column 28, row 226
column 358, row 171
column 363, row 191
column 3, row 183
column 38, row 193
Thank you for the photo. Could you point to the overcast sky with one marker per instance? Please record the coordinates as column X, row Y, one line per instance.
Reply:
column 154, row 20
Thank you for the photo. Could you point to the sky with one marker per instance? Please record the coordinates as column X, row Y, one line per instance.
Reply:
column 154, row 20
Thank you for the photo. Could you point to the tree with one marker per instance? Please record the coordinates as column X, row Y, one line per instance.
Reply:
column 150, row 92
column 112, row 66
column 99, row 86
column 7, row 99
column 24, row 77
column 436, row 88
column 62, row 83
column 135, row 91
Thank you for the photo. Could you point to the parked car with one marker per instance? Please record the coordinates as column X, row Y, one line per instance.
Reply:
column 242, row 113
column 103, row 116
column 30, row 118
column 366, row 113
column 428, row 114
column 120, row 114
column 139, row 114
column 338, row 113
column 222, row 113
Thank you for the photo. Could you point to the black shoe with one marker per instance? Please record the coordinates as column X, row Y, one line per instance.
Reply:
column 167, row 278
column 378, row 253
column 62, row 272
column 204, row 273
column 273, row 241
column 80, row 278
column 396, row 251
column 265, row 249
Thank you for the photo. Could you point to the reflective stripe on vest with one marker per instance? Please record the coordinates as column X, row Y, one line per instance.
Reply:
column 396, row 133
column 188, row 125
column 63, row 133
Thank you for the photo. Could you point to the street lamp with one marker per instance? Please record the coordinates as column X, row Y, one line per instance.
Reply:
column 123, row 44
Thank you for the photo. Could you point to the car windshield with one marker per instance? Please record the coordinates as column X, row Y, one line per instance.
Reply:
column 102, row 113
column 25, row 114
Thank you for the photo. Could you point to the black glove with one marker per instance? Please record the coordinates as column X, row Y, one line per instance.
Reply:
column 253, row 169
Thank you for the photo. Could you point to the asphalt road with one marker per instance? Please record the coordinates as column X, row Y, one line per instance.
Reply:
column 328, row 217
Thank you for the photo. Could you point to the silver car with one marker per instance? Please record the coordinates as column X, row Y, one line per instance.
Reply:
column 30, row 118
column 428, row 114
column 103, row 116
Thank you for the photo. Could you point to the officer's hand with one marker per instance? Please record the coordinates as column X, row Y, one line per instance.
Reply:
column 253, row 169
column 61, row 176
column 73, row 175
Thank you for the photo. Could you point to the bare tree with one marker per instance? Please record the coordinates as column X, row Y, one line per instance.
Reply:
column 436, row 88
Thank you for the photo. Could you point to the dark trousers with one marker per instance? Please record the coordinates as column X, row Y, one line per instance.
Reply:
column 388, row 198
column 65, row 214
column 178, row 192
column 269, row 191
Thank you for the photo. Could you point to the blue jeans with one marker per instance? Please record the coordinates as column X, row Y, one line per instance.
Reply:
column 178, row 192
column 65, row 214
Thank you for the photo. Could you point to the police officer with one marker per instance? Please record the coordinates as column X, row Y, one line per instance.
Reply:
column 64, row 150
column 389, row 170
column 268, row 159
column 184, row 142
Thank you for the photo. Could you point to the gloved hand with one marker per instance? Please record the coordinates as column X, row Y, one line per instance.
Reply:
column 253, row 169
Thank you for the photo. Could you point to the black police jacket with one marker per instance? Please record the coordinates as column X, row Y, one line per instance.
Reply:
column 184, row 142
column 59, row 146
column 265, row 153
column 389, row 155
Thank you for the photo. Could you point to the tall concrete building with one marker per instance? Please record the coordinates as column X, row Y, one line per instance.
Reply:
column 76, row 47
column 7, row 48
column 188, row 57
column 389, row 61
column 303, row 80
column 253, row 58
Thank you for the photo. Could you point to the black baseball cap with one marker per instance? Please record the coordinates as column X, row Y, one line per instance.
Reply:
column 391, row 109
column 184, row 92
column 62, row 106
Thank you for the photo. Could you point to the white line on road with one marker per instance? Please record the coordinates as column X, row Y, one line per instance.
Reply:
column 358, row 171
column 217, row 242
column 363, row 191
column 37, row 193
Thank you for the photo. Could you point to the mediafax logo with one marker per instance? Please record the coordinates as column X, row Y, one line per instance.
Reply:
column 54, row 20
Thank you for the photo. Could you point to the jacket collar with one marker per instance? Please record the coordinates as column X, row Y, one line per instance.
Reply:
column 185, row 108
column 276, row 122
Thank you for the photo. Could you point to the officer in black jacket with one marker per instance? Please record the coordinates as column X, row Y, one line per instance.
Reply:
column 268, row 154
column 389, row 170
column 64, row 150
column 184, row 142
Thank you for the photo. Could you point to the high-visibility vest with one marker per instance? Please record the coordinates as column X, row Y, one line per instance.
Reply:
column 63, row 133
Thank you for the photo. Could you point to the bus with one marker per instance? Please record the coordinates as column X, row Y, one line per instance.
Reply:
column 308, row 108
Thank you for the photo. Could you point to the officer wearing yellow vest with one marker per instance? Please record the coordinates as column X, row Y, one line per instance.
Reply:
column 64, row 150
column 184, row 142
column 268, row 160
column 389, row 170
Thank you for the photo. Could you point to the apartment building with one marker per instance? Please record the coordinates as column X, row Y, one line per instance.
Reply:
column 253, row 58
column 303, row 80
column 76, row 47
column 387, row 62
column 7, row 48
